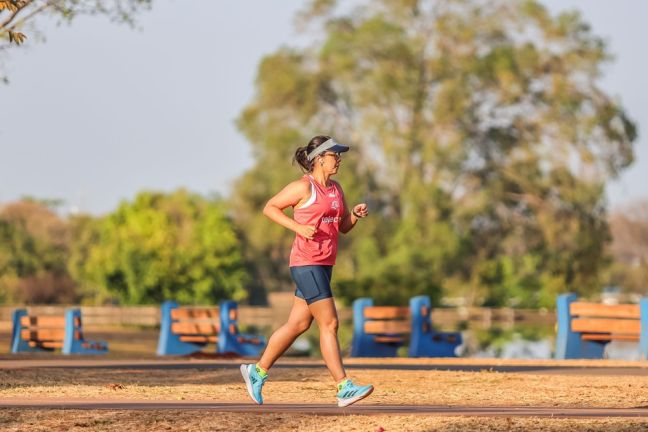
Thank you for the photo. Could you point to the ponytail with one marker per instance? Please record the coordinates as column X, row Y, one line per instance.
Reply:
column 301, row 157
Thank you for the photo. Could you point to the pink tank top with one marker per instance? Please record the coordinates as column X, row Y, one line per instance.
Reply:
column 324, row 209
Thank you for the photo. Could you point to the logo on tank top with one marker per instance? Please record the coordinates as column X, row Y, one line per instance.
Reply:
column 335, row 205
column 331, row 219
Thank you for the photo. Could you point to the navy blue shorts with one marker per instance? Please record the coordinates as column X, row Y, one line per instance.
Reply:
column 313, row 282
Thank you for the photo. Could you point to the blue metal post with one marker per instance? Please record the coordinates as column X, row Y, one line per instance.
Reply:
column 425, row 341
column 230, row 340
column 74, row 341
column 643, row 335
column 18, row 344
column 567, row 341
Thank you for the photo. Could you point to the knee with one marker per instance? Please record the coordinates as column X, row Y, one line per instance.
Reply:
column 301, row 326
column 330, row 325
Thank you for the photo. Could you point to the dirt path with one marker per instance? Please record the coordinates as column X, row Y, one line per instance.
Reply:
column 325, row 409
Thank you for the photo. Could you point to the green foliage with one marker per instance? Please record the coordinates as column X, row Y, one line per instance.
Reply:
column 160, row 247
column 481, row 141
column 33, row 254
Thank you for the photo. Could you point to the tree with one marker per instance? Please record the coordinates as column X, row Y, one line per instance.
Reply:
column 161, row 247
column 629, row 248
column 480, row 137
column 19, row 18
column 85, row 234
column 33, row 253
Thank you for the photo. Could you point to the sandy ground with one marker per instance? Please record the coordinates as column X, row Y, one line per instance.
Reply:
column 314, row 385
column 125, row 421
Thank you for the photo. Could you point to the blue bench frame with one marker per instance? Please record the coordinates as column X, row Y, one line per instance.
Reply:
column 363, row 344
column 71, row 345
column 229, row 338
column 424, row 340
column 570, row 345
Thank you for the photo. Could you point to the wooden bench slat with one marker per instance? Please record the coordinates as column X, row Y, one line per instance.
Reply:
column 608, row 337
column 250, row 340
column 598, row 325
column 396, row 327
column 389, row 339
column 194, row 313
column 386, row 312
column 42, row 321
column 43, row 334
column 191, row 328
column 630, row 311
column 46, row 344
column 199, row 339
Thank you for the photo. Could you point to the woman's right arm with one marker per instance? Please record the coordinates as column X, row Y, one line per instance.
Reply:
column 290, row 196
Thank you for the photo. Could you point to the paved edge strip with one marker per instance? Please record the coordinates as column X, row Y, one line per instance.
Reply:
column 324, row 409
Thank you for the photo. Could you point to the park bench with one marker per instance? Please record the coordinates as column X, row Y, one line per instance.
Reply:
column 378, row 331
column 187, row 330
column 584, row 329
column 33, row 333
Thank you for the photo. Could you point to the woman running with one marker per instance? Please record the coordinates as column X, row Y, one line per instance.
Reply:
column 320, row 212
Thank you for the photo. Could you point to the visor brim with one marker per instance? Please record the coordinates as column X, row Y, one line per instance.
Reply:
column 338, row 148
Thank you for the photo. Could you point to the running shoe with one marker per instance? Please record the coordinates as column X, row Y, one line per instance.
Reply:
column 351, row 393
column 253, row 382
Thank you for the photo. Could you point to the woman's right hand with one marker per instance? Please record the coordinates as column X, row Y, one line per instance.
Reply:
column 306, row 231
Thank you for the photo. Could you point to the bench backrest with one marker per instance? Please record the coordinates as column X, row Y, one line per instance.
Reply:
column 605, row 322
column 45, row 332
column 196, row 324
column 185, row 330
column 584, row 329
column 181, row 327
column 387, row 320
column 378, row 331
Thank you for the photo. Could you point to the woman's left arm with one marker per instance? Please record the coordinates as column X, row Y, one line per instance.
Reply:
column 349, row 219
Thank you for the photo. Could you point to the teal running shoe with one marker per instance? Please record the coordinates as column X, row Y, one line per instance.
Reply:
column 253, row 381
column 351, row 393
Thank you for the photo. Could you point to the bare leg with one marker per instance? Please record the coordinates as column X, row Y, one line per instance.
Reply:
column 325, row 314
column 299, row 321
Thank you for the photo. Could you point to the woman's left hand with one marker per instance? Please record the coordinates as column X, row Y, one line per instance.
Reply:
column 360, row 210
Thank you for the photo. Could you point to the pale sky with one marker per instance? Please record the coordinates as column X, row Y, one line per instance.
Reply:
column 100, row 112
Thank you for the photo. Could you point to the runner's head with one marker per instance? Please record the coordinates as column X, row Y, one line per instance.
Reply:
column 322, row 152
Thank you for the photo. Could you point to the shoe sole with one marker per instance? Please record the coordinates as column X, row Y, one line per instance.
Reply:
column 248, row 384
column 347, row 402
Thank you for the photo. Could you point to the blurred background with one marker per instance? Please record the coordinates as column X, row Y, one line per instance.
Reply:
column 497, row 142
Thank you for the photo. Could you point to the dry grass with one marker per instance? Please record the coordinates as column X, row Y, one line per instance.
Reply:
column 314, row 386
column 13, row 420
